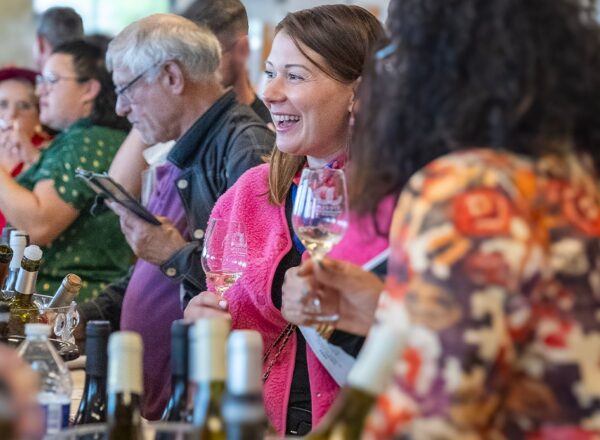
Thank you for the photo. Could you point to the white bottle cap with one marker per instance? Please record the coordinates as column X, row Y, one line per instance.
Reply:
column 18, row 241
column 244, row 366
column 17, row 235
column 33, row 253
column 125, row 373
column 375, row 364
column 37, row 330
column 208, row 357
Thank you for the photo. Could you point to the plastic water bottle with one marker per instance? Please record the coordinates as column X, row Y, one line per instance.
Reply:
column 56, row 384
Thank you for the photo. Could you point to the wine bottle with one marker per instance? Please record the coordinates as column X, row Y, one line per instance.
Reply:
column 6, row 231
column 18, row 243
column 243, row 407
column 92, row 408
column 67, row 291
column 4, row 319
column 125, row 387
column 6, row 254
column 177, row 407
column 367, row 379
column 23, row 309
column 209, row 341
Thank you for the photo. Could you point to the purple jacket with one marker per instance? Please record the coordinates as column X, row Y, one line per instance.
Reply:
column 250, row 301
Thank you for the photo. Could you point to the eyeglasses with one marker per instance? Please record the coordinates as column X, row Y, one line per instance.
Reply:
column 50, row 79
column 121, row 91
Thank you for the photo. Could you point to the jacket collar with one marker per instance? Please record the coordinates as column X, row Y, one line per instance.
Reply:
column 187, row 146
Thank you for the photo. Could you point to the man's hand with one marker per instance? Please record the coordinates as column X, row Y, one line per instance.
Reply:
column 152, row 243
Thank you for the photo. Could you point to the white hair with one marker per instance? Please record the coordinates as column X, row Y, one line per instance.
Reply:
column 162, row 37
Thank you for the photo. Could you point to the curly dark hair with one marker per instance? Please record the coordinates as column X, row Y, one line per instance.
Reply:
column 519, row 75
column 88, row 61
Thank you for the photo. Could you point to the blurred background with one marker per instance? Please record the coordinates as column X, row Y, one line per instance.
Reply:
column 108, row 17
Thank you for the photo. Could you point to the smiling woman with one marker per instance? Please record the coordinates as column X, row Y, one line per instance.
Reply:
column 77, row 99
column 312, row 71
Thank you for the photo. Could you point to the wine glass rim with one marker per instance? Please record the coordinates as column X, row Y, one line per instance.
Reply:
column 323, row 169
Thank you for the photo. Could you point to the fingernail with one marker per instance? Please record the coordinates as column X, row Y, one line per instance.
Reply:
column 223, row 304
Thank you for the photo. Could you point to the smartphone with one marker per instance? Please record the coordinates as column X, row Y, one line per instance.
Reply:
column 105, row 186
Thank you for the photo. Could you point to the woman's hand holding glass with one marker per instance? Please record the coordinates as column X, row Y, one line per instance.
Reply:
column 206, row 305
column 225, row 253
column 320, row 219
column 355, row 290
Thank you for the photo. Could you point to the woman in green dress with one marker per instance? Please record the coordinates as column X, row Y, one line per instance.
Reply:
column 47, row 201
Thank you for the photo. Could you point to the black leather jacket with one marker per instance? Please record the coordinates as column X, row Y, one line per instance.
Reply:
column 221, row 145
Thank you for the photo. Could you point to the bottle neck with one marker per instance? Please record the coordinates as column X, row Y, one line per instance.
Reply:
column 4, row 269
column 207, row 402
column 347, row 415
column 125, row 373
column 62, row 297
column 124, row 416
column 375, row 365
column 94, row 386
column 245, row 373
column 26, row 282
column 11, row 281
column 97, row 355
column 209, row 360
column 18, row 251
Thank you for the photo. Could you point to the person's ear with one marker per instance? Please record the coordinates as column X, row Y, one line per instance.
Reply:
column 174, row 78
column 242, row 47
column 353, row 104
column 92, row 90
column 354, row 95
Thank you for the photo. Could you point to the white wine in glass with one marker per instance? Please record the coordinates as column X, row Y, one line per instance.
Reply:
column 224, row 256
column 320, row 219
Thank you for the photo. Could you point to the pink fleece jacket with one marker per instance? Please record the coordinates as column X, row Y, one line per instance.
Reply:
column 249, row 299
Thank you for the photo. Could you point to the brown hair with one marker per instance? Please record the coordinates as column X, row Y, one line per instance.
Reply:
column 344, row 36
column 227, row 19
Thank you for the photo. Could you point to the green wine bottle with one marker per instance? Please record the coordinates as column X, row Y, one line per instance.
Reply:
column 67, row 291
column 124, row 414
column 367, row 379
column 209, row 342
column 18, row 243
column 243, row 406
column 4, row 320
column 23, row 310
column 6, row 254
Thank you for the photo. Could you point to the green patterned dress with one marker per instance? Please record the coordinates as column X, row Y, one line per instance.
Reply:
column 93, row 247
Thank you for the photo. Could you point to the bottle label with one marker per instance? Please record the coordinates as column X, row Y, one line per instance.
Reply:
column 56, row 416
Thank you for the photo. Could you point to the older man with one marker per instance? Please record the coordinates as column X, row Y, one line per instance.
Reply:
column 165, row 68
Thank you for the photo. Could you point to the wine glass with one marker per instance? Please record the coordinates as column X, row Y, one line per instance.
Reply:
column 225, row 253
column 320, row 219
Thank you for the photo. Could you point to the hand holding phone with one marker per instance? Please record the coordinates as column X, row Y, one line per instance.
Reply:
column 105, row 186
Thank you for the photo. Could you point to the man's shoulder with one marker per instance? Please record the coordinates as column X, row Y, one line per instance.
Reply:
column 243, row 127
column 243, row 117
